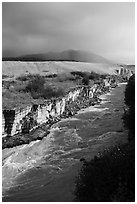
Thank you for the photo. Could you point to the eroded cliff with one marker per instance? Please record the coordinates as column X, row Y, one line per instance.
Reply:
column 23, row 121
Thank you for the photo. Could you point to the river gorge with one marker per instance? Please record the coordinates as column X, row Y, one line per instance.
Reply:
column 45, row 170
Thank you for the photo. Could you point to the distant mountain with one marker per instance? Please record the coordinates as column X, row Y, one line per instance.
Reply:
column 67, row 55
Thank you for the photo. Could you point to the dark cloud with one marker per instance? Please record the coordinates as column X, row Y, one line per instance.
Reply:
column 104, row 28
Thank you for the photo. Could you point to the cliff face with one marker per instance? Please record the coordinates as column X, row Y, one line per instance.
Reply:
column 124, row 72
column 24, row 120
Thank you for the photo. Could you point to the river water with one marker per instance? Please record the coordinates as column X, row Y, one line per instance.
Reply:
column 46, row 170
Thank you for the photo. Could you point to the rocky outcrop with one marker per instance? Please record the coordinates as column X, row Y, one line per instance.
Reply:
column 18, row 122
column 25, row 120
column 126, row 73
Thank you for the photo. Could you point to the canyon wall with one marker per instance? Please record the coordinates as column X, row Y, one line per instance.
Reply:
column 25, row 120
column 127, row 73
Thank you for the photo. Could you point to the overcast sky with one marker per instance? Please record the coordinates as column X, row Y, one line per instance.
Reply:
column 107, row 29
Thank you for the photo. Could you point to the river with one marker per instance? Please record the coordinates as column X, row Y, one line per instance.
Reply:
column 46, row 170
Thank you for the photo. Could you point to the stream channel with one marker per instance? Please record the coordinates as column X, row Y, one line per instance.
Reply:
column 46, row 170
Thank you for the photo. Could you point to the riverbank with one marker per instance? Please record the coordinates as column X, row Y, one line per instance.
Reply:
column 59, row 156
column 50, row 114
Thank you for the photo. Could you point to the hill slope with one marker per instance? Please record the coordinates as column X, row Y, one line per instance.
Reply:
column 68, row 55
column 14, row 68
